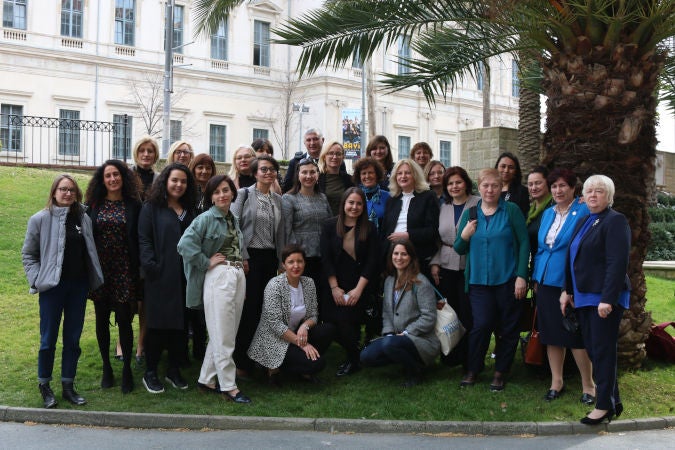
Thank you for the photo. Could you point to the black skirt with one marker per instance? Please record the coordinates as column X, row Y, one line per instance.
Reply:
column 549, row 320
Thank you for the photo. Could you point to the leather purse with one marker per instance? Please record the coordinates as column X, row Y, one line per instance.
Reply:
column 569, row 320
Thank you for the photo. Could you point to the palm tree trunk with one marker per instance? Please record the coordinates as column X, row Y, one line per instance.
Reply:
column 529, row 122
column 608, row 94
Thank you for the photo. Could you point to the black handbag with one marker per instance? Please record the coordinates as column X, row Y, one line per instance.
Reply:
column 569, row 320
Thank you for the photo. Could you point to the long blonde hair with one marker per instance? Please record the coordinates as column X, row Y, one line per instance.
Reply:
column 421, row 184
column 324, row 152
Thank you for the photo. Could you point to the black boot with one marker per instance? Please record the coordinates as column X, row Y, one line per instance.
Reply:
column 48, row 397
column 127, row 378
column 70, row 394
column 107, row 379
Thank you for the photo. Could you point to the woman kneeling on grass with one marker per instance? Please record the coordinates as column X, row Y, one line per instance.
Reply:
column 211, row 251
column 61, row 264
column 408, row 317
column 289, row 336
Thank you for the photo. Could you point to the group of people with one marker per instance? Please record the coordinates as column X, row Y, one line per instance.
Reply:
column 267, row 271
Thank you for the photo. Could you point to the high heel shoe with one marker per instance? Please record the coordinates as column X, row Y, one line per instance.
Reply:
column 618, row 409
column 607, row 416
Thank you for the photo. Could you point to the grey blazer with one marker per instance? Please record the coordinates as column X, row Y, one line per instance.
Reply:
column 268, row 347
column 415, row 313
column 446, row 256
column 246, row 208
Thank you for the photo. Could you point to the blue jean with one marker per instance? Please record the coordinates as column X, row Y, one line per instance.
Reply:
column 495, row 309
column 393, row 350
column 67, row 299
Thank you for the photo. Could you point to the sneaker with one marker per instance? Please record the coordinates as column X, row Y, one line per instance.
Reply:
column 174, row 377
column 152, row 383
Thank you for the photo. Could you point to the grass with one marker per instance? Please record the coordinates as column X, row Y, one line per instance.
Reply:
column 371, row 393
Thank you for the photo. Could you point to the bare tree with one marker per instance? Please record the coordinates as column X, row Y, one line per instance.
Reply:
column 148, row 94
column 281, row 127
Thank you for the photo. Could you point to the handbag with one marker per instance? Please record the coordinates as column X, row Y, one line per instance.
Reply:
column 527, row 314
column 660, row 344
column 569, row 320
column 533, row 349
column 449, row 330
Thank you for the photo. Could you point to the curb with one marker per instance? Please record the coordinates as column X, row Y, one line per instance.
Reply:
column 175, row 421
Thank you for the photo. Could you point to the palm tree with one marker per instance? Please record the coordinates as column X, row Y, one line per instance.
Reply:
column 600, row 63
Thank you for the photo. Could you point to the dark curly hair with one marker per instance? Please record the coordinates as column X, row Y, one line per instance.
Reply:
column 96, row 191
column 364, row 163
column 158, row 194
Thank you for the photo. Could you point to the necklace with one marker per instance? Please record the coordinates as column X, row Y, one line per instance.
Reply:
column 564, row 212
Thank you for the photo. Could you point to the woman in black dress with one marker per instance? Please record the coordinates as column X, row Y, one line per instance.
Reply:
column 349, row 254
column 114, row 206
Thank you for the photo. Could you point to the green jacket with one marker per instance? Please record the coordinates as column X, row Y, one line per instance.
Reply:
column 201, row 240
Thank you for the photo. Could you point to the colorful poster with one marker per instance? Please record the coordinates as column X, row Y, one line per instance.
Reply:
column 351, row 132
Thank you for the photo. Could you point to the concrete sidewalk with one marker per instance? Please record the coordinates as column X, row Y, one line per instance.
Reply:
column 171, row 421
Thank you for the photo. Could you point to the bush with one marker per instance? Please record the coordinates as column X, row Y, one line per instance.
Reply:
column 662, row 245
column 662, row 214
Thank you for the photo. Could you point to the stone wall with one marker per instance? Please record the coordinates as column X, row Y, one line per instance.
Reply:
column 481, row 147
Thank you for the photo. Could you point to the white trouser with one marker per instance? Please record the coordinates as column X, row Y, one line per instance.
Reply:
column 224, row 292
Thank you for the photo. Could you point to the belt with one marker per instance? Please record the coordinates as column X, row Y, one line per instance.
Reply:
column 237, row 264
column 447, row 245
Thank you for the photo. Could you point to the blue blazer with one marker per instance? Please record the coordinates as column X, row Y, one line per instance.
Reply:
column 549, row 262
column 602, row 259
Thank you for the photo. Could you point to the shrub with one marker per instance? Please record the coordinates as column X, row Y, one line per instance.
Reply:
column 662, row 245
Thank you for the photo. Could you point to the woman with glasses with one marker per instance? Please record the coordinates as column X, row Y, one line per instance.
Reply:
column 240, row 169
column 260, row 217
column 304, row 210
column 61, row 264
column 333, row 181
column 181, row 152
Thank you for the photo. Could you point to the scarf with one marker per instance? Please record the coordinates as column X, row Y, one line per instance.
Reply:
column 535, row 210
column 372, row 197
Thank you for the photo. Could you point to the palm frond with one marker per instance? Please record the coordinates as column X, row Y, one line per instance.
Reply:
column 667, row 84
column 210, row 13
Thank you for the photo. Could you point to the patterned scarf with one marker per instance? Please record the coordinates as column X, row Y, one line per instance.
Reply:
column 373, row 197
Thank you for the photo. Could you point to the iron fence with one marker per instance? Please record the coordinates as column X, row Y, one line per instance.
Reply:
column 51, row 141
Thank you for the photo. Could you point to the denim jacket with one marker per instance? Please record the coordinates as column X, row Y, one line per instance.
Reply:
column 201, row 240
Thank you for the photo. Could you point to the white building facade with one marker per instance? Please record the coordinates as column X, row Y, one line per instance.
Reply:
column 99, row 60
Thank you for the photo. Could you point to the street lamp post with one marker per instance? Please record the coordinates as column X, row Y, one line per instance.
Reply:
column 302, row 109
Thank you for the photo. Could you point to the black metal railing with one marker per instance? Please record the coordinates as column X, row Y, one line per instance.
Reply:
column 49, row 141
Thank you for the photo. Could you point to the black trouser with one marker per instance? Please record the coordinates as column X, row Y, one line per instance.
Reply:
column 194, row 319
column 156, row 340
column 451, row 285
column 123, row 317
column 296, row 361
column 262, row 267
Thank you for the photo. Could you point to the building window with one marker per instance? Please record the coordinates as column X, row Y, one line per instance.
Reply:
column 125, row 22
column 356, row 60
column 178, row 29
column 69, row 132
column 261, row 43
column 217, row 134
column 479, row 76
column 403, row 54
column 403, row 147
column 71, row 18
column 445, row 148
column 219, row 42
column 10, row 135
column 261, row 133
column 176, row 132
column 515, row 79
column 14, row 14
column 122, row 136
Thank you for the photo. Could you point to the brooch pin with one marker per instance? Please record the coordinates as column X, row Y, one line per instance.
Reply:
column 574, row 213
column 596, row 222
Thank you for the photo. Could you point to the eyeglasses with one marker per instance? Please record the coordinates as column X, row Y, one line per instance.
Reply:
column 267, row 169
column 334, row 154
column 183, row 152
column 63, row 190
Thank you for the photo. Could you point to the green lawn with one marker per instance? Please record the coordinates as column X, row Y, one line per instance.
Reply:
column 372, row 394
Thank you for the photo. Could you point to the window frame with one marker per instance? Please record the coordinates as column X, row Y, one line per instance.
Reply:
column 69, row 138
column 8, row 130
column 175, row 130
column 123, row 37
column 178, row 31
column 403, row 52
column 399, row 139
column 219, row 41
column 445, row 159
column 119, row 141
column 213, row 151
column 515, row 79
column 261, row 43
column 13, row 7
column 72, row 18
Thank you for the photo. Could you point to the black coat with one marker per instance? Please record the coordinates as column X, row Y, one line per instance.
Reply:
column 423, row 215
column 158, row 234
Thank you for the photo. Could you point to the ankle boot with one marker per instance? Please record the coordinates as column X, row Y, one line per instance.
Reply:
column 127, row 379
column 108, row 378
column 48, row 398
column 69, row 394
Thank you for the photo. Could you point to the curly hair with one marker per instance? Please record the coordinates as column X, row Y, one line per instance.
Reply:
column 96, row 190
column 158, row 193
column 364, row 163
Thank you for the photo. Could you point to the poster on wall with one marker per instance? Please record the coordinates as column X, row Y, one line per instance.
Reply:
column 351, row 132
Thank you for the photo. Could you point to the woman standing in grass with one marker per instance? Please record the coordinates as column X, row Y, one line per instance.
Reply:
column 114, row 206
column 212, row 253
column 164, row 217
column 61, row 264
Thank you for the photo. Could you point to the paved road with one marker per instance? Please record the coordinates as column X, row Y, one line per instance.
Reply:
column 43, row 437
